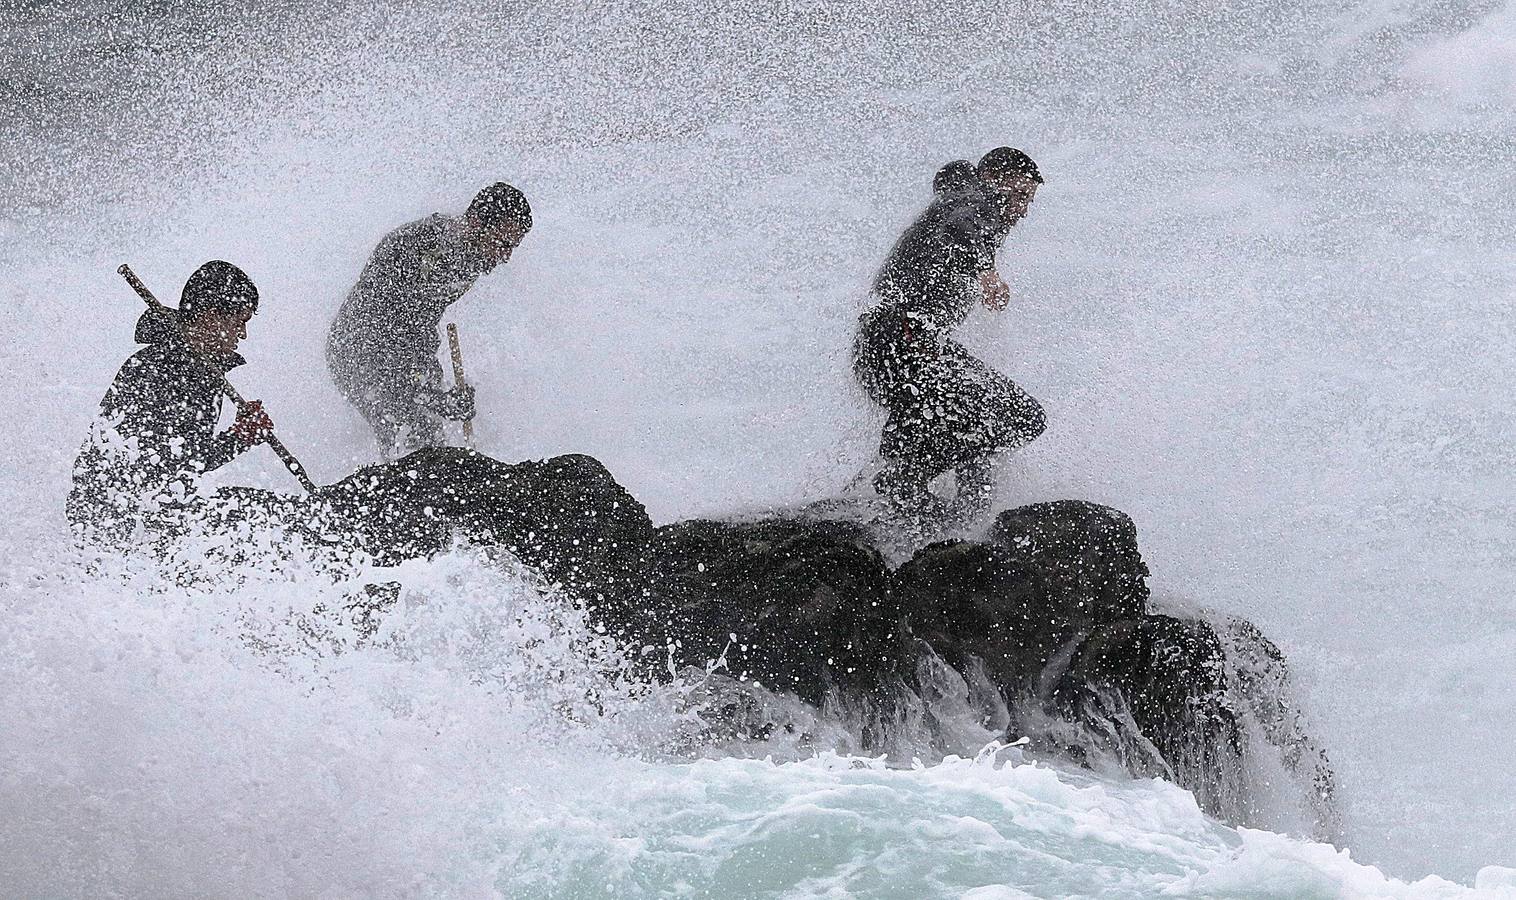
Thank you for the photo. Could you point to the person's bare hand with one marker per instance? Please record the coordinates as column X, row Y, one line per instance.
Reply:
column 253, row 426
column 997, row 295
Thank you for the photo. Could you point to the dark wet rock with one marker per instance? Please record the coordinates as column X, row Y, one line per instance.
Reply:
column 1160, row 681
column 1194, row 702
column 1260, row 679
column 970, row 600
column 566, row 516
column 1048, row 575
column 1086, row 552
column 1051, row 609
column 807, row 603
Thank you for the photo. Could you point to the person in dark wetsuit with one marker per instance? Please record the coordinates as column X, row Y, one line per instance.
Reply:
column 947, row 409
column 382, row 346
column 157, row 428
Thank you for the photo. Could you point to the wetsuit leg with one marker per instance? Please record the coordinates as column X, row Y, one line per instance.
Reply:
column 953, row 412
column 413, row 425
column 400, row 424
column 976, row 488
column 888, row 364
column 985, row 414
column 993, row 412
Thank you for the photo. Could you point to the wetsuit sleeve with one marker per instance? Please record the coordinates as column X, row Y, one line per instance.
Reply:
column 394, row 262
column 422, row 370
column 971, row 236
column 192, row 417
column 221, row 449
column 405, row 257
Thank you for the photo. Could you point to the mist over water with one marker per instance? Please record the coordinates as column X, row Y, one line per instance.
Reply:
column 1264, row 296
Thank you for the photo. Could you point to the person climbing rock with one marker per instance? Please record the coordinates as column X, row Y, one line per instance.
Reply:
column 382, row 346
column 948, row 411
column 156, row 432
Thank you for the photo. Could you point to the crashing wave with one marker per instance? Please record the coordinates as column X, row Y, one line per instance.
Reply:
column 792, row 634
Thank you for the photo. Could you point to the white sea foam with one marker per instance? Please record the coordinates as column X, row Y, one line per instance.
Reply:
column 157, row 745
column 1264, row 296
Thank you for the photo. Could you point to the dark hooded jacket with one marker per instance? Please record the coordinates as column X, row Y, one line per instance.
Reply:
column 932, row 273
column 947, row 409
column 156, row 431
column 384, row 338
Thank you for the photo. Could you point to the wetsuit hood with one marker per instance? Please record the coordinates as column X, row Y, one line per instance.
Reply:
column 155, row 327
column 955, row 177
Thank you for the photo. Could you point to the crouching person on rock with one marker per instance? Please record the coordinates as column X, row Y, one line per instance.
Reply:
column 948, row 411
column 382, row 346
column 156, row 431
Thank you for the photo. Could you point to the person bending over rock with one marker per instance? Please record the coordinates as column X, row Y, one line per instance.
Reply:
column 157, row 428
column 382, row 346
column 948, row 411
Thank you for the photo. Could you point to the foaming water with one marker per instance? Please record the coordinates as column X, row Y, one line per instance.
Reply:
column 986, row 827
column 249, row 743
column 1263, row 295
column 260, row 742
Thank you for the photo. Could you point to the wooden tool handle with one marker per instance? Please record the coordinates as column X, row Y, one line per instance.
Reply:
column 458, row 379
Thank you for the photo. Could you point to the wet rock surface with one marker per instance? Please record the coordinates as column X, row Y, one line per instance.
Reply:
column 1051, row 606
column 801, row 607
column 565, row 516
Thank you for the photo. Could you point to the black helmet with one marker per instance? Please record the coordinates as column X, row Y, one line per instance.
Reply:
column 1008, row 161
column 500, row 204
column 218, row 286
